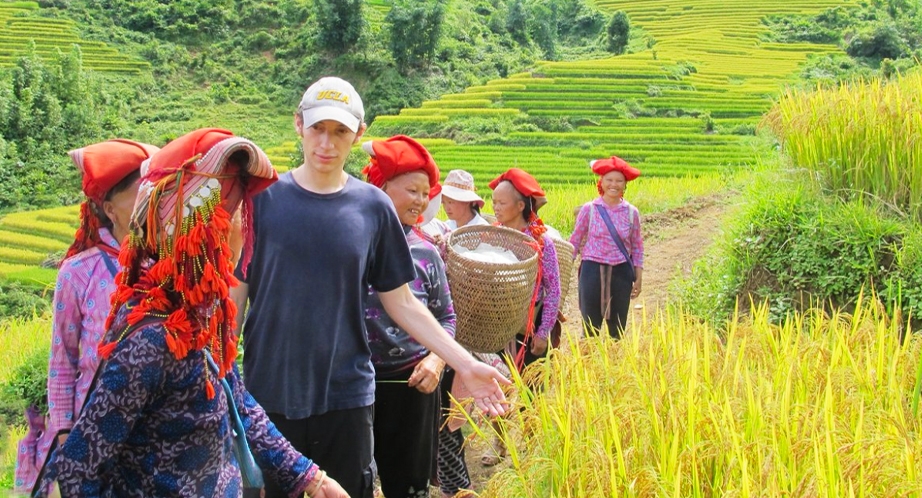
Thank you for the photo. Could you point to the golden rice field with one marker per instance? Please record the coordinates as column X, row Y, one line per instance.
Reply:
column 860, row 137
column 820, row 406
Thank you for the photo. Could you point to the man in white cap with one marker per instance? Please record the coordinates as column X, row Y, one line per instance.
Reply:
column 322, row 237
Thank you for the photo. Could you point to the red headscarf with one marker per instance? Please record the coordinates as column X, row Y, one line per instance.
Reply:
column 177, row 262
column 398, row 155
column 603, row 167
column 103, row 166
column 528, row 186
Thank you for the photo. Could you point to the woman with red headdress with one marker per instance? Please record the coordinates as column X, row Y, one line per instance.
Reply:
column 608, row 236
column 516, row 200
column 407, row 374
column 158, row 421
column 85, row 281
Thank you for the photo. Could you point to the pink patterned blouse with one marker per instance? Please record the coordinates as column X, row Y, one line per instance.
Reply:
column 81, row 306
column 592, row 239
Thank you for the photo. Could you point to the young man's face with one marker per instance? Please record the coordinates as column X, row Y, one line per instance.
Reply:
column 327, row 144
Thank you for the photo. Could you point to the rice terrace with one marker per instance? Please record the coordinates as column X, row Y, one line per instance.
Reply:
column 773, row 351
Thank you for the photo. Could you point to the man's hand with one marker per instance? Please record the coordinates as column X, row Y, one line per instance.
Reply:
column 426, row 375
column 483, row 382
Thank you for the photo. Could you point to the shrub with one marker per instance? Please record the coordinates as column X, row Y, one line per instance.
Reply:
column 19, row 301
column 26, row 387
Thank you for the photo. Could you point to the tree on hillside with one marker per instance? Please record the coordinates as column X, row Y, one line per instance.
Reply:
column 517, row 22
column 414, row 29
column 544, row 28
column 619, row 32
column 340, row 23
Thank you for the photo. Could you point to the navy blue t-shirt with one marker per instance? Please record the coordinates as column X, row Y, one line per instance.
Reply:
column 305, row 346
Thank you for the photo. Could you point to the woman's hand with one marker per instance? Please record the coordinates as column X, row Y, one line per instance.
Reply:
column 325, row 486
column 635, row 290
column 538, row 346
column 426, row 375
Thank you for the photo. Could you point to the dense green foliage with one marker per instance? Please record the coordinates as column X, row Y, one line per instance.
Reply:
column 415, row 29
column 45, row 110
column 881, row 36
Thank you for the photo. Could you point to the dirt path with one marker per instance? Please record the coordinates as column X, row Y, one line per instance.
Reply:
column 674, row 240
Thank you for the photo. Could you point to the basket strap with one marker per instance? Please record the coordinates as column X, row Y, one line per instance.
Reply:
column 530, row 325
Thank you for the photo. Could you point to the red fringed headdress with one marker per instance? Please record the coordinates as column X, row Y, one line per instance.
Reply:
column 177, row 262
column 102, row 166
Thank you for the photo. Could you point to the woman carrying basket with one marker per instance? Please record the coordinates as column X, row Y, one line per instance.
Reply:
column 81, row 298
column 608, row 235
column 462, row 205
column 158, row 421
column 407, row 375
column 516, row 200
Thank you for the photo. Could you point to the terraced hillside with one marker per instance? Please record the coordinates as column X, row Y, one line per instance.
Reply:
column 28, row 238
column 686, row 105
column 19, row 24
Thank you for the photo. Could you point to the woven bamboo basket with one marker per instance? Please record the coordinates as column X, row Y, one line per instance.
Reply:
column 565, row 261
column 491, row 300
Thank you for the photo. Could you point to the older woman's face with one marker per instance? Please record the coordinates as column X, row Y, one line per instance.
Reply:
column 507, row 205
column 410, row 194
column 613, row 184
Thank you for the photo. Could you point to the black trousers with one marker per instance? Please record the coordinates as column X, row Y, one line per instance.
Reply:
column 406, row 437
column 340, row 442
column 452, row 472
column 590, row 297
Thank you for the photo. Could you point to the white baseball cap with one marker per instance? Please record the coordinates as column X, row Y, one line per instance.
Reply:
column 332, row 98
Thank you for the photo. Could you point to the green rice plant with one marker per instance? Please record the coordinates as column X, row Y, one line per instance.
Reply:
column 861, row 138
column 18, row 240
column 21, row 256
column 8, row 449
column 816, row 406
column 21, row 339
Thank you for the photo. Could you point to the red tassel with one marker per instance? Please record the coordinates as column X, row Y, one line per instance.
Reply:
column 209, row 389
column 105, row 350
